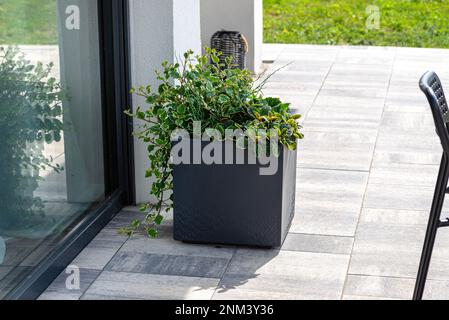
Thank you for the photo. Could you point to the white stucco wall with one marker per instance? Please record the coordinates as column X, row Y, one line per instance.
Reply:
column 245, row 16
column 160, row 30
column 187, row 26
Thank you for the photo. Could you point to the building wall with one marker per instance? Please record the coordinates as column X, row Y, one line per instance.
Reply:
column 160, row 30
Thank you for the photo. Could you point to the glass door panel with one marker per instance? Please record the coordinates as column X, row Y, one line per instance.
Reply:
column 51, row 149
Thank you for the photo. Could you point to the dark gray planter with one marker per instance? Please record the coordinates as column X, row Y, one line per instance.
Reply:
column 234, row 204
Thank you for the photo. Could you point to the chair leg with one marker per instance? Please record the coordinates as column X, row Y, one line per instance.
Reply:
column 432, row 228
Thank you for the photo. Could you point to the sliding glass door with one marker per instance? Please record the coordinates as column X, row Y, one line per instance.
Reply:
column 62, row 135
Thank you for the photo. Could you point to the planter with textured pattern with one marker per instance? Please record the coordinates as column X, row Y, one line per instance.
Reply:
column 234, row 204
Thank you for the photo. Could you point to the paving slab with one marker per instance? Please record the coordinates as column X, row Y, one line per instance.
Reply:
column 135, row 286
column 366, row 173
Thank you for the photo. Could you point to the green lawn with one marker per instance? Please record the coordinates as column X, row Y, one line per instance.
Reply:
column 28, row 22
column 410, row 23
column 414, row 23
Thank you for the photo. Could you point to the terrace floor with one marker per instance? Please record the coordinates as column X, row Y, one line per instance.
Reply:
column 367, row 169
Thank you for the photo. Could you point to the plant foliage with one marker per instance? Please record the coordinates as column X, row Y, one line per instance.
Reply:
column 219, row 96
column 30, row 116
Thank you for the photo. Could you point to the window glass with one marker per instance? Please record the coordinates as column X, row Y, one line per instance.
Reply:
column 51, row 148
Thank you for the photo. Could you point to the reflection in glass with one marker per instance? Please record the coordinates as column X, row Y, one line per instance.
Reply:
column 30, row 118
column 51, row 142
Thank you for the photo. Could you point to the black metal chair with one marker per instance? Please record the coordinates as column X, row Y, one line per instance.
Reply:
column 431, row 85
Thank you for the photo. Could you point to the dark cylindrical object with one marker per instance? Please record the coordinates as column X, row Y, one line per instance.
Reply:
column 231, row 44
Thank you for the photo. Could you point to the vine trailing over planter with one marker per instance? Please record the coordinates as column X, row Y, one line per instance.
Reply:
column 220, row 97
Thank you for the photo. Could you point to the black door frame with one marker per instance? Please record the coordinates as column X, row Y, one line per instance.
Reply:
column 118, row 147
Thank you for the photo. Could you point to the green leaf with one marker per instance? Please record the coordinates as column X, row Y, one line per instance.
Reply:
column 223, row 99
column 158, row 220
column 181, row 109
column 152, row 233
column 140, row 115
column 136, row 224
column 215, row 59
column 49, row 138
column 57, row 136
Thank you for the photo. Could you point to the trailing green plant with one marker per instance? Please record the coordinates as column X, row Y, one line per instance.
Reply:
column 30, row 117
column 217, row 95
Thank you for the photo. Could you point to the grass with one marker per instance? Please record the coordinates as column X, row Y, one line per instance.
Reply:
column 407, row 23
column 28, row 22
column 411, row 23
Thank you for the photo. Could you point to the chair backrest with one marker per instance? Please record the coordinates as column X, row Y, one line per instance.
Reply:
column 433, row 89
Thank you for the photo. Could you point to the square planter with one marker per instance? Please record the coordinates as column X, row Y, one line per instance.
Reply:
column 235, row 204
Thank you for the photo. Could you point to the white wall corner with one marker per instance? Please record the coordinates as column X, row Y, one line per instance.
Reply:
column 245, row 16
column 187, row 26
column 160, row 30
